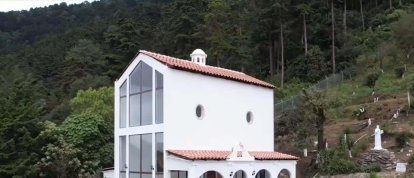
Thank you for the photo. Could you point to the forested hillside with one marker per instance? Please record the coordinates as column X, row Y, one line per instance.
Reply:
column 55, row 62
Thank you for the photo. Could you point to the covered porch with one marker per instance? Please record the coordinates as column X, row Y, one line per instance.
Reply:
column 220, row 164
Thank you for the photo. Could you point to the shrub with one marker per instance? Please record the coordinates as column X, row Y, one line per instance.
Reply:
column 410, row 166
column 402, row 138
column 399, row 72
column 387, row 128
column 347, row 130
column 360, row 147
column 371, row 79
column 411, row 160
column 350, row 72
column 371, row 168
column 373, row 175
column 411, row 122
column 336, row 161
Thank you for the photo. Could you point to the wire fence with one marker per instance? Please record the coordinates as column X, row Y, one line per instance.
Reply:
column 292, row 102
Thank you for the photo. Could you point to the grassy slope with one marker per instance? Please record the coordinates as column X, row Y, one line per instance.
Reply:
column 387, row 86
column 393, row 95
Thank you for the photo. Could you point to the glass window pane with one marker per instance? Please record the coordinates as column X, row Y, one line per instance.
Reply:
column 123, row 91
column 122, row 112
column 159, row 153
column 123, row 175
column 134, row 155
column 159, row 80
column 159, row 96
column 183, row 174
column 239, row 174
column 147, row 153
column 159, row 107
column 174, row 174
column 134, row 110
column 122, row 155
column 146, row 77
column 134, row 175
column 135, row 80
column 146, row 108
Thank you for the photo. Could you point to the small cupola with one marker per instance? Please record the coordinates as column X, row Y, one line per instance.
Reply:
column 198, row 56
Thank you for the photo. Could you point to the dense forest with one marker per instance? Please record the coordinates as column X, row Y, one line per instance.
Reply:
column 58, row 63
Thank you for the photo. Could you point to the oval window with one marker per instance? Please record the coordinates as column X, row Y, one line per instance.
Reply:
column 199, row 111
column 249, row 117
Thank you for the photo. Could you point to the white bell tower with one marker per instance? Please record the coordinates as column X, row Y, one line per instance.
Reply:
column 199, row 57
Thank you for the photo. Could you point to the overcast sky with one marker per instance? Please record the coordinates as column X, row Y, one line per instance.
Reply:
column 16, row 5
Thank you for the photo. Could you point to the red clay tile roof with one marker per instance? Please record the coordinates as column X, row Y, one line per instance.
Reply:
column 186, row 65
column 222, row 155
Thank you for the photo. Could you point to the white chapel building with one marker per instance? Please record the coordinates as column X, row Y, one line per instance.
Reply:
column 177, row 118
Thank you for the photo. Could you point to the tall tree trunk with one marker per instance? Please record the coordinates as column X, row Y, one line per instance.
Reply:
column 271, row 59
column 321, row 142
column 333, row 38
column 344, row 21
column 305, row 35
column 319, row 124
column 282, row 46
column 362, row 14
column 277, row 54
column 390, row 2
column 376, row 3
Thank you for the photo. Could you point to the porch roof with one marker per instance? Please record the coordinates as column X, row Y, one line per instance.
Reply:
column 223, row 155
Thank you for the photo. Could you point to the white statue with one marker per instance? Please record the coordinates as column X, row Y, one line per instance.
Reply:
column 369, row 122
column 378, row 133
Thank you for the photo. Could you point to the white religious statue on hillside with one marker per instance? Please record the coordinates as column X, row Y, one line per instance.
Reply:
column 378, row 133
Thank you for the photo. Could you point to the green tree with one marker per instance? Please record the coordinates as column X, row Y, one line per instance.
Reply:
column 179, row 29
column 317, row 67
column 60, row 159
column 21, row 109
column 404, row 35
column 89, row 133
column 82, row 62
column 314, row 105
column 92, row 107
column 84, row 139
column 98, row 101
column 227, row 33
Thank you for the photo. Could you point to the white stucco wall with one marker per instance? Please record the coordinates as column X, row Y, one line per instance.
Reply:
column 108, row 173
column 224, row 124
column 225, row 103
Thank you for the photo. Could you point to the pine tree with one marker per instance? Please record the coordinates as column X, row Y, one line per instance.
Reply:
column 20, row 114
